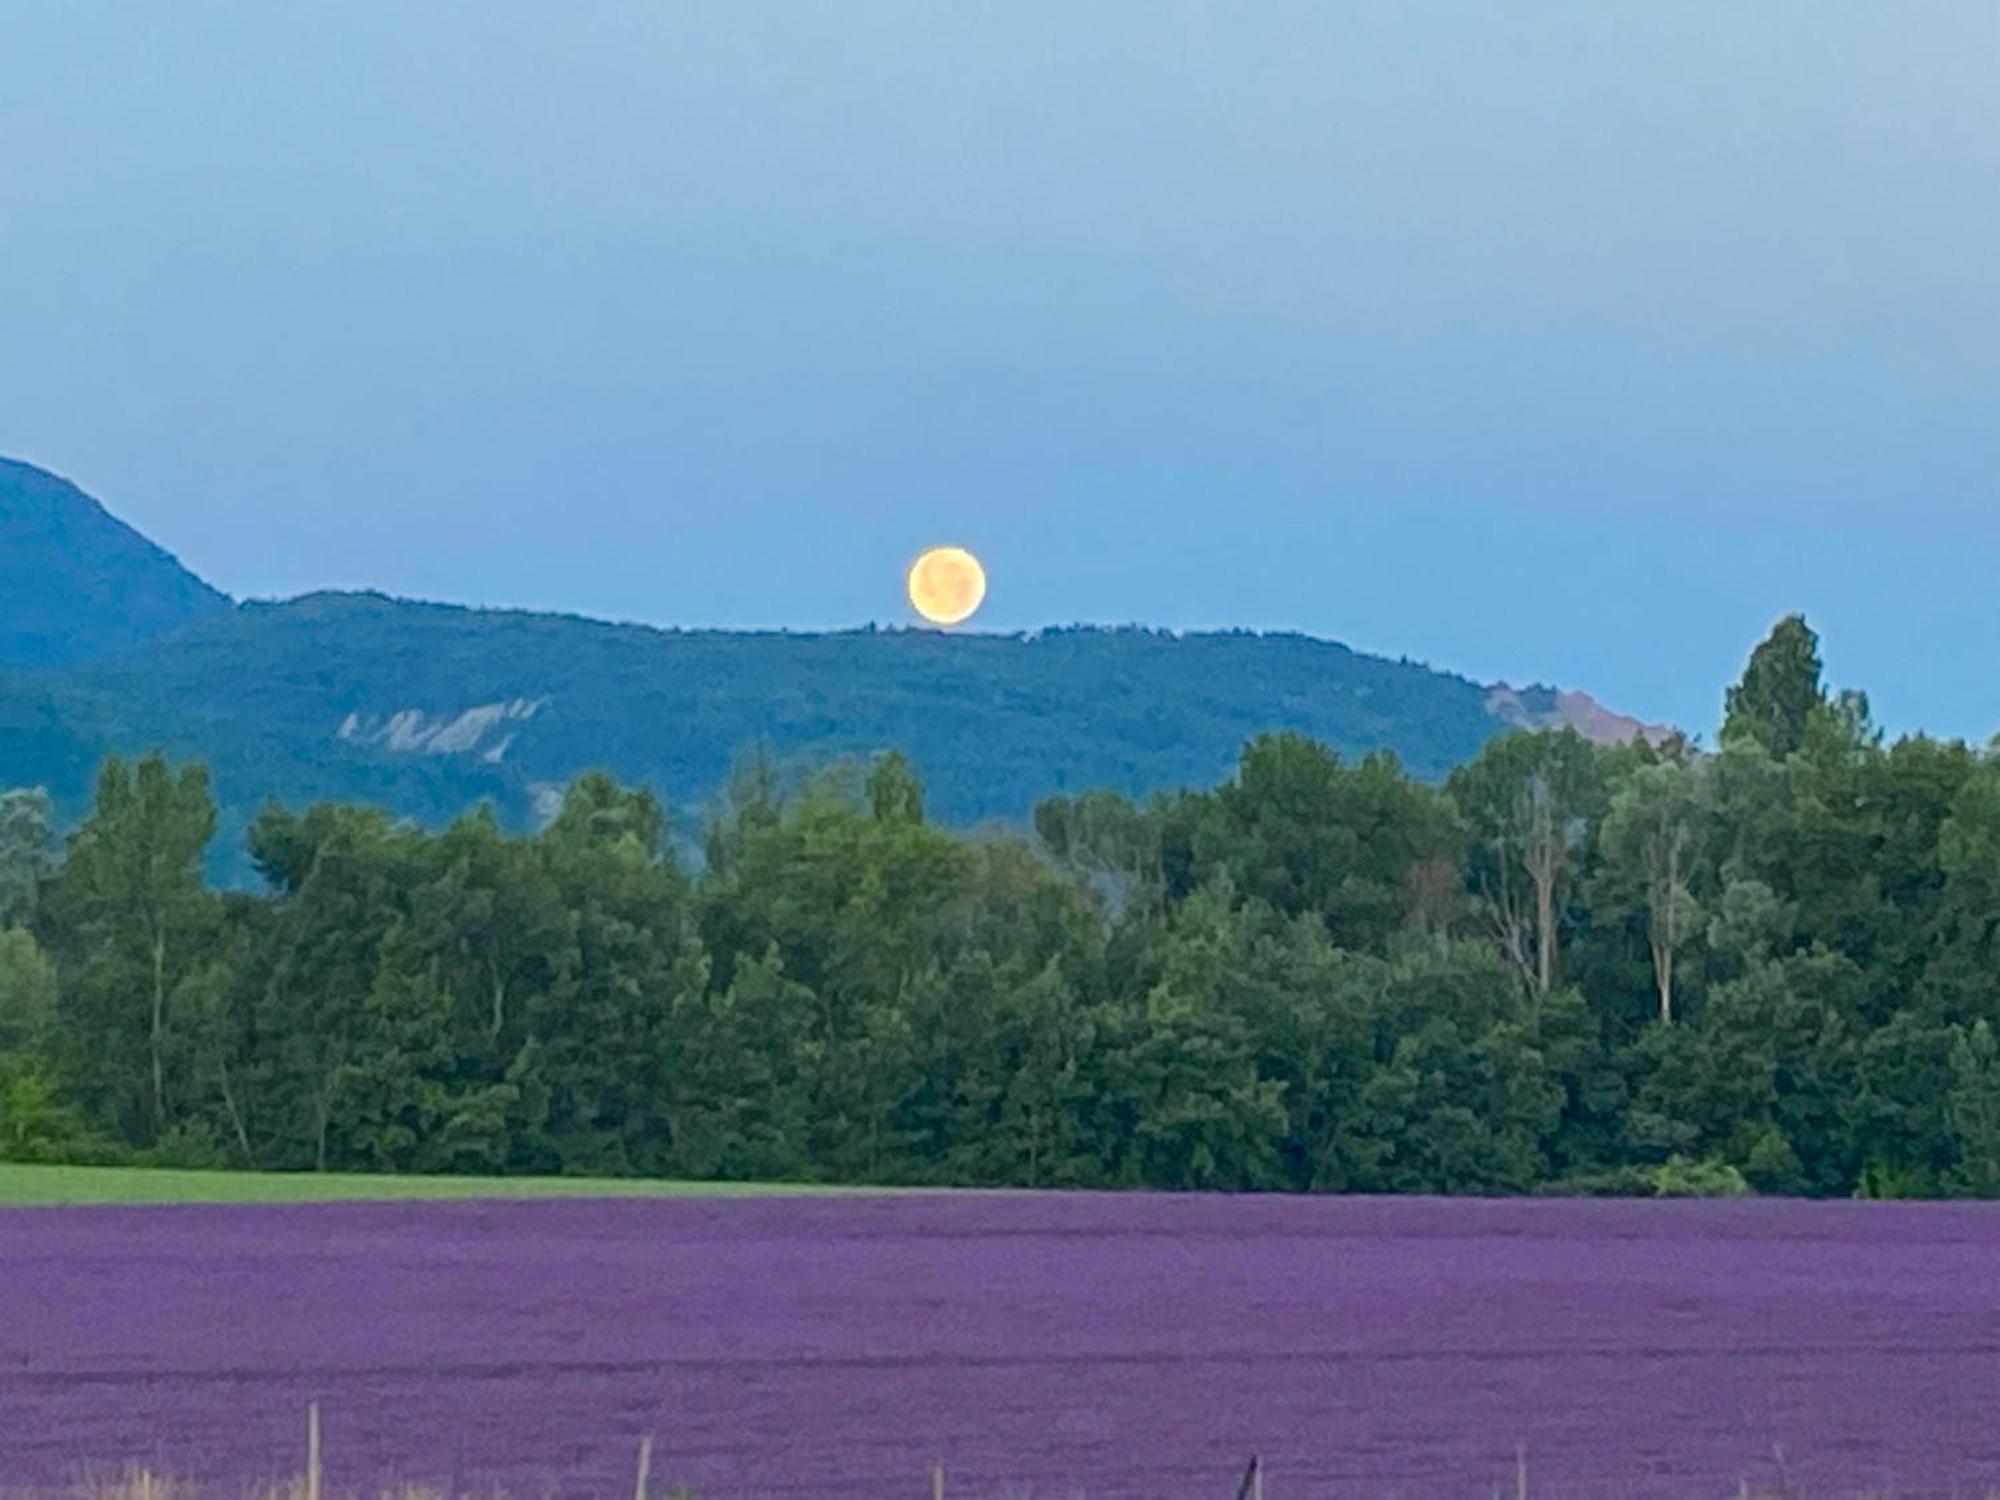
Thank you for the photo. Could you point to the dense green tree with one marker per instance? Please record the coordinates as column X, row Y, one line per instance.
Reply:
column 1960, row 975
column 28, row 995
column 743, row 1061
column 1653, row 837
column 1109, row 845
column 34, row 1120
column 1181, row 1083
column 1303, row 832
column 343, row 876
column 612, row 1022
column 413, row 1106
column 1465, row 1101
column 894, row 793
column 1897, row 1124
column 1779, row 692
column 138, row 932
column 1973, row 1110
column 27, row 850
column 1532, row 802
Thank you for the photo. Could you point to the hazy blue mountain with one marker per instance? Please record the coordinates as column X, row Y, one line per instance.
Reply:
column 428, row 708
column 76, row 583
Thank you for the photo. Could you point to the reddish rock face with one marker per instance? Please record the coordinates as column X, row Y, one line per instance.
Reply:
column 1555, row 708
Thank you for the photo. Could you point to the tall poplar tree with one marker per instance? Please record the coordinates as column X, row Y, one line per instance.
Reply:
column 138, row 929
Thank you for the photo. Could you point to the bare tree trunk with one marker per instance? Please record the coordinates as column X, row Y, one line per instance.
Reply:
column 1663, row 940
column 1664, row 898
column 1542, row 854
column 1508, row 921
column 1545, row 932
column 499, row 1004
column 235, row 1114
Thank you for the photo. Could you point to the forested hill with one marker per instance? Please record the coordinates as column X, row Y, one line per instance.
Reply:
column 426, row 709
column 76, row 582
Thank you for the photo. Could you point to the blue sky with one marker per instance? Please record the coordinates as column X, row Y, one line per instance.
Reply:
column 1570, row 343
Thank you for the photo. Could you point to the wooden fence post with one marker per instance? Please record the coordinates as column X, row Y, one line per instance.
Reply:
column 312, row 1451
column 645, row 1466
column 937, row 1482
column 1521, row 1471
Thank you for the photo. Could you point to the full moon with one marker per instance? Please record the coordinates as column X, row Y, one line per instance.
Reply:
column 946, row 585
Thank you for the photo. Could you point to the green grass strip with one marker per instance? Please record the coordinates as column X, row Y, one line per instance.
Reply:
column 22, row 1185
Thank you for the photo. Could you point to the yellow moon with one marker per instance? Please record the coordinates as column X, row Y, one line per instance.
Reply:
column 947, row 585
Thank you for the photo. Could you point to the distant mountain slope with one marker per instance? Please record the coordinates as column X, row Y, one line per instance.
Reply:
column 76, row 583
column 427, row 708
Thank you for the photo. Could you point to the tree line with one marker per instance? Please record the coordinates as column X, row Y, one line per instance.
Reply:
column 1767, row 966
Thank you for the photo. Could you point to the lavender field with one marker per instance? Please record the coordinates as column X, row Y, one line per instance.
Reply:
column 1113, row 1346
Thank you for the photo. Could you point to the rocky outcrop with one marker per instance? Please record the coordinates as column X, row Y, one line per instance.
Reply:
column 484, row 730
column 1555, row 708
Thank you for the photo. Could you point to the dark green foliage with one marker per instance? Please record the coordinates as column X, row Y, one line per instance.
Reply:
column 1779, row 693
column 27, row 850
column 1573, row 969
column 1972, row 1110
column 1304, row 833
column 139, row 939
column 997, row 722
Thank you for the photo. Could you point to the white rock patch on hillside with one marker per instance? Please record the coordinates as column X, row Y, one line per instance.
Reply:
column 483, row 730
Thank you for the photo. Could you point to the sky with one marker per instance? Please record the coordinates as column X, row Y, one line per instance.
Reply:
column 1565, row 343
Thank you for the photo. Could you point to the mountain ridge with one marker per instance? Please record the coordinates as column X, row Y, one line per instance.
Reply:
column 76, row 582
column 428, row 707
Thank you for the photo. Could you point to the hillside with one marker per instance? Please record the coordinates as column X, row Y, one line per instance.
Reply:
column 429, row 708
column 76, row 583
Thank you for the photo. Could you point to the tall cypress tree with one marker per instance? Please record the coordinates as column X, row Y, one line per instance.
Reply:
column 1779, row 692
